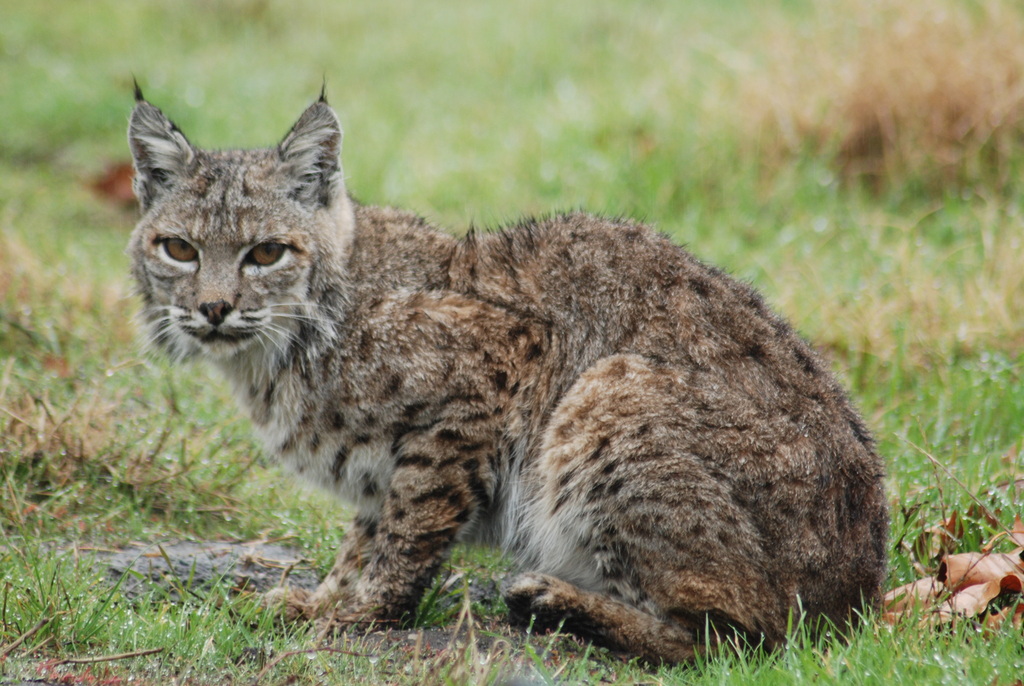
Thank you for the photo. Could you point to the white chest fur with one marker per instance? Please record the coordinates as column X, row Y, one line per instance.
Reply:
column 278, row 416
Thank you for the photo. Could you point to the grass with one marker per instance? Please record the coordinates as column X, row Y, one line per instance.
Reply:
column 709, row 120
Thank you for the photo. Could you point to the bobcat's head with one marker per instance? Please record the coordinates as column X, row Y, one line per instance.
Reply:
column 238, row 250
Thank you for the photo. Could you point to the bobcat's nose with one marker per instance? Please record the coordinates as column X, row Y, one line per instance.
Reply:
column 215, row 312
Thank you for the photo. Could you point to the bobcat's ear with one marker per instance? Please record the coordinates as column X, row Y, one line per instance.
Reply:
column 160, row 151
column 310, row 156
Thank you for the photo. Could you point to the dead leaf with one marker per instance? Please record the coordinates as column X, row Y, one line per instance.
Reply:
column 1016, row 534
column 969, row 569
column 954, row 525
column 966, row 584
column 940, row 539
column 997, row 619
column 920, row 592
column 971, row 601
column 978, row 512
column 1011, row 583
column 58, row 365
column 1010, row 615
column 115, row 183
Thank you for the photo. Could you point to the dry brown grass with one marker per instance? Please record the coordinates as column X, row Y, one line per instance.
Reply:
column 925, row 92
column 89, row 446
column 50, row 311
column 923, row 305
column 76, row 425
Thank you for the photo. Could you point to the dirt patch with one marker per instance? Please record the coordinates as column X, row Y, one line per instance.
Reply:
column 169, row 569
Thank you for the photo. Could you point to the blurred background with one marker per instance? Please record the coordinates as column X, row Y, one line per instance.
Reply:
column 744, row 129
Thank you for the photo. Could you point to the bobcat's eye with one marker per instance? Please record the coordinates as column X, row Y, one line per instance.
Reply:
column 266, row 254
column 180, row 250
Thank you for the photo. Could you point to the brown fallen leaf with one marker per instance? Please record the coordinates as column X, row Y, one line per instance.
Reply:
column 58, row 365
column 971, row 601
column 940, row 539
column 1012, row 583
column 995, row 620
column 922, row 592
column 968, row 569
column 1016, row 534
column 979, row 513
column 966, row 584
column 1012, row 615
column 114, row 183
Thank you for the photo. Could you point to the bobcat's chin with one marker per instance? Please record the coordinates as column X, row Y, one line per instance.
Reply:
column 219, row 345
column 184, row 343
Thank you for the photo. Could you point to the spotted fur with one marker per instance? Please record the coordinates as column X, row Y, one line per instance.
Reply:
column 659, row 453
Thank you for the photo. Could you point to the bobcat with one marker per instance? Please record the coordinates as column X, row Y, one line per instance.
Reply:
column 665, row 460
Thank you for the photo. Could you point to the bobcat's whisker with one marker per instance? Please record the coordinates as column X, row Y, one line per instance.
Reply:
column 270, row 328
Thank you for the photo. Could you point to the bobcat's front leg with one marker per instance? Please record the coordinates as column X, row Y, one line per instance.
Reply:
column 440, row 481
column 338, row 586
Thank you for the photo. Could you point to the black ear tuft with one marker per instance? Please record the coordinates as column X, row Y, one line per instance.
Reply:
column 323, row 91
column 138, row 90
column 310, row 155
column 160, row 152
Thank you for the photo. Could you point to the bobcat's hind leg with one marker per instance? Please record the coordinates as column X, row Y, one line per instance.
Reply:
column 551, row 602
column 638, row 534
column 336, row 587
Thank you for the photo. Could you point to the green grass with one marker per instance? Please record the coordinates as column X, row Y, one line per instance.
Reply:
column 468, row 114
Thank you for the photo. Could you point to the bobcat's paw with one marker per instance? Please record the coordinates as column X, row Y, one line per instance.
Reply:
column 545, row 600
column 292, row 604
column 344, row 619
